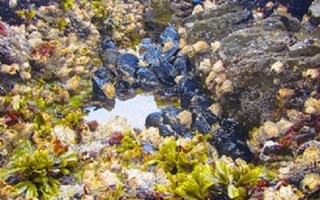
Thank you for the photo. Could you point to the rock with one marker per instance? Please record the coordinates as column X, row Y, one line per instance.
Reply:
column 314, row 12
column 214, row 23
column 248, row 50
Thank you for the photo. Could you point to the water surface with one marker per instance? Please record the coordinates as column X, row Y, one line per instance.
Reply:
column 135, row 110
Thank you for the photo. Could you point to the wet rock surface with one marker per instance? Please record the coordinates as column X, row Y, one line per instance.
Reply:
column 249, row 48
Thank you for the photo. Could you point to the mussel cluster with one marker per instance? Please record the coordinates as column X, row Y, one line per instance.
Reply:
column 162, row 67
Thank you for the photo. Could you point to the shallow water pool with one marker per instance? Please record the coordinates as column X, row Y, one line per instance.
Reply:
column 135, row 110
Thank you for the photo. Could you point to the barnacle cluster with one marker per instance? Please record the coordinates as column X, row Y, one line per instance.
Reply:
column 216, row 81
column 124, row 21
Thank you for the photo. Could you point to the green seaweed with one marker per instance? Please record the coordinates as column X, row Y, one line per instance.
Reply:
column 235, row 178
column 36, row 170
column 174, row 158
column 66, row 4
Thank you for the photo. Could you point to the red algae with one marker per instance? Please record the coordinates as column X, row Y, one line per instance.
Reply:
column 3, row 30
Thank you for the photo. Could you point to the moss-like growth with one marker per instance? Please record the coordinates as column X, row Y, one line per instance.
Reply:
column 36, row 169
column 27, row 14
column 60, row 24
column 129, row 149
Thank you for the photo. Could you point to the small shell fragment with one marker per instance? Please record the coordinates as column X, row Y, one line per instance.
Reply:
column 109, row 90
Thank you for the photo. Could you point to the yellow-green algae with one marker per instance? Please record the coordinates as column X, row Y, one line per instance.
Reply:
column 36, row 169
column 193, row 175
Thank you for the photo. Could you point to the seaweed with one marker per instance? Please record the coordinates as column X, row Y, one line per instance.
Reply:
column 175, row 158
column 33, row 171
column 234, row 178
column 196, row 177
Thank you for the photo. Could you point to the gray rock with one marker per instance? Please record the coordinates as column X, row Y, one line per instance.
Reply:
column 248, row 50
column 213, row 24
column 314, row 12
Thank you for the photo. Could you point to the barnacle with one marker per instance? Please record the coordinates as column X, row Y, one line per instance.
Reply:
column 284, row 192
column 6, row 191
column 311, row 183
column 267, row 131
column 311, row 74
column 198, row 8
column 205, row 66
column 9, row 69
column 185, row 118
column 207, row 4
column 200, row 47
column 217, row 80
column 109, row 90
column 284, row 95
column 215, row 46
column 277, row 67
column 225, row 87
column 312, row 106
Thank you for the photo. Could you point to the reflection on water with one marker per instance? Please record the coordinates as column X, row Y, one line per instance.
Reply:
column 135, row 110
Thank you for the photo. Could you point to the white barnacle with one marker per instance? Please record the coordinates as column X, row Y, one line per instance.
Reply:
column 9, row 69
column 200, row 46
column 185, row 118
column 284, row 95
column 208, row 4
column 205, row 66
column 311, row 73
column 215, row 46
column 310, row 183
column 226, row 87
column 277, row 67
column 312, row 106
column 198, row 8
column 218, row 67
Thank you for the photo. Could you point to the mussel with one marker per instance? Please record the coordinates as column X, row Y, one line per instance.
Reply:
column 230, row 140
